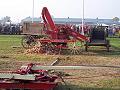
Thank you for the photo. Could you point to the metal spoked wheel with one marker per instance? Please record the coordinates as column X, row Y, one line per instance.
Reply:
column 75, row 48
column 51, row 49
column 28, row 42
column 48, row 48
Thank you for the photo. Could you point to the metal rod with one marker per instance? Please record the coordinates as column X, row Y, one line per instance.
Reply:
column 17, row 76
column 37, row 67
column 55, row 62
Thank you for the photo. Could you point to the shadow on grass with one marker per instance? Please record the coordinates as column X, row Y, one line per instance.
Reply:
column 94, row 50
column 98, row 51
column 75, row 87
column 104, row 53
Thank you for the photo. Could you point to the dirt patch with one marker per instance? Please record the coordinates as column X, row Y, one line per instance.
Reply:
column 84, row 77
column 89, row 60
column 91, row 77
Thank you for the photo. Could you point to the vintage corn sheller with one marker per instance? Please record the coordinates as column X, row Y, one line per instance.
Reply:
column 57, row 36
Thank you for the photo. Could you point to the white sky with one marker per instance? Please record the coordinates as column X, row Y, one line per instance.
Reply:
column 19, row 9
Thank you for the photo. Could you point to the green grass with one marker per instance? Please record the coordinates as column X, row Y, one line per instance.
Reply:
column 86, row 87
column 115, row 42
column 114, row 49
column 8, row 42
column 10, row 46
column 111, row 83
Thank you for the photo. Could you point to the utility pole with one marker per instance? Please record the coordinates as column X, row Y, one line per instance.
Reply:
column 33, row 12
column 83, row 19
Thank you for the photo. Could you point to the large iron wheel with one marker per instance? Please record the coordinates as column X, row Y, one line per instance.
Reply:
column 75, row 48
column 28, row 41
column 47, row 48
column 51, row 49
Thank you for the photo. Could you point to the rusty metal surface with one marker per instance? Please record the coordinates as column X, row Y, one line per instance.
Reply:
column 33, row 28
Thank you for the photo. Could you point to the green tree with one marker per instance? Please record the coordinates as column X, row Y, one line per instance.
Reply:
column 116, row 19
column 6, row 19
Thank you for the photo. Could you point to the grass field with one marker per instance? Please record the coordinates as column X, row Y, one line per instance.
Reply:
column 12, row 56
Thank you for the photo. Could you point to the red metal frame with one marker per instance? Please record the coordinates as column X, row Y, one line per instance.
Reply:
column 59, row 35
column 49, row 23
column 32, row 86
column 55, row 30
column 47, row 18
column 42, row 81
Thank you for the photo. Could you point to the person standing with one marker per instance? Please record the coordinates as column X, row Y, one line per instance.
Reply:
column 110, row 31
column 114, row 31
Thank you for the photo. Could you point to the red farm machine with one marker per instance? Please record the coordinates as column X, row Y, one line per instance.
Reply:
column 57, row 36
column 36, row 77
column 27, row 79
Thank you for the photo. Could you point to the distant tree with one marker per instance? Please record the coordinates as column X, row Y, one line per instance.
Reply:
column 6, row 19
column 97, row 19
column 116, row 19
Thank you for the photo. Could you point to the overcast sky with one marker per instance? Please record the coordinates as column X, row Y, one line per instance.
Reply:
column 19, row 9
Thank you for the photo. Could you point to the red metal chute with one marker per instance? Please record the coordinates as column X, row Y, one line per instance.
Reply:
column 56, row 30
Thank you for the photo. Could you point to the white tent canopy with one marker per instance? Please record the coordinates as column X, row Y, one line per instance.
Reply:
column 104, row 24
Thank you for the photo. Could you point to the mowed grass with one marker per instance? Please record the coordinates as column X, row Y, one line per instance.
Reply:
column 11, row 49
column 7, row 42
column 115, row 42
column 10, row 46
